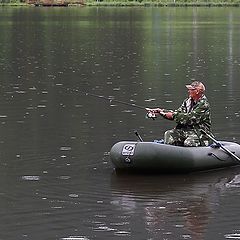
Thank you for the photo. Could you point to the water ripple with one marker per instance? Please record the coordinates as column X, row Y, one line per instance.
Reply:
column 75, row 238
column 232, row 236
column 31, row 178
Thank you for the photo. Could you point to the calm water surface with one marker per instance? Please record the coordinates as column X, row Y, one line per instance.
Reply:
column 56, row 180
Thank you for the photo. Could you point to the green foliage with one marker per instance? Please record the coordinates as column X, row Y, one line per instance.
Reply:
column 12, row 2
column 159, row 3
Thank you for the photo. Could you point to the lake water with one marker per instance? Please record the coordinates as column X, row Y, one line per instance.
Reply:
column 56, row 179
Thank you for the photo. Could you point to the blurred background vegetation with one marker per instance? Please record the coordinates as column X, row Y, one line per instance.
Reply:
column 169, row 3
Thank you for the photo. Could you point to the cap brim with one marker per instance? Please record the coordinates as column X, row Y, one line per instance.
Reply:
column 190, row 87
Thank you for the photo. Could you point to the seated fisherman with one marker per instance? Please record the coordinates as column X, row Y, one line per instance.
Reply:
column 193, row 115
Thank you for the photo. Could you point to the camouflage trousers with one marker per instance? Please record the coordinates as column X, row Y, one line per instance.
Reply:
column 180, row 137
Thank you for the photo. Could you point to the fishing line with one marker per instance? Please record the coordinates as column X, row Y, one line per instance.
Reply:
column 110, row 99
column 149, row 114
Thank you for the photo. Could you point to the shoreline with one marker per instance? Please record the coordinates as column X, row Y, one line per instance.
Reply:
column 163, row 4
column 137, row 4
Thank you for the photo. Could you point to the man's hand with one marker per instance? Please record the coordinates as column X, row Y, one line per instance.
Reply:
column 169, row 115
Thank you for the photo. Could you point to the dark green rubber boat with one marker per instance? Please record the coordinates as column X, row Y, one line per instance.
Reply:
column 152, row 156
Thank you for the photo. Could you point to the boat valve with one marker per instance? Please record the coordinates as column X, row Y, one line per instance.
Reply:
column 127, row 160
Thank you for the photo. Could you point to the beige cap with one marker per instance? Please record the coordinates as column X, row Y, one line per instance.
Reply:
column 196, row 85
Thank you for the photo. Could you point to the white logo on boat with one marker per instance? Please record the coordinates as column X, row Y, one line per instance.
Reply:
column 128, row 149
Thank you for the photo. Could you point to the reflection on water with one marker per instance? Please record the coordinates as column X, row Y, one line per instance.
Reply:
column 174, row 207
column 56, row 180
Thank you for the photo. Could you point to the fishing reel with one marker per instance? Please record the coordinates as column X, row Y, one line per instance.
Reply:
column 151, row 115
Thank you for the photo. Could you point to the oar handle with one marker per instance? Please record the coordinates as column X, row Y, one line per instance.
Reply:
column 221, row 146
column 139, row 137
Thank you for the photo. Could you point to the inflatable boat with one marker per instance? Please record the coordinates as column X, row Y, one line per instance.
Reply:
column 153, row 156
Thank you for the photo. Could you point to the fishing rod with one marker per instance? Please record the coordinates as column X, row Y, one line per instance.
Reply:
column 149, row 114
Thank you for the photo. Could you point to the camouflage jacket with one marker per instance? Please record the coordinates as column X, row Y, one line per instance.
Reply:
column 191, row 115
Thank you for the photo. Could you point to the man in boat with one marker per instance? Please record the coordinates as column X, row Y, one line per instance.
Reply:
column 192, row 116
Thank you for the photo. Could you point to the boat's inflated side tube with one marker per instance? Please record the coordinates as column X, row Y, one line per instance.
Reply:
column 168, row 158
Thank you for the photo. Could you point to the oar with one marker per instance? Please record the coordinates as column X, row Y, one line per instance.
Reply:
column 139, row 137
column 221, row 146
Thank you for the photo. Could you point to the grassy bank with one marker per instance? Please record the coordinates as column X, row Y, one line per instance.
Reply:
column 14, row 4
column 164, row 4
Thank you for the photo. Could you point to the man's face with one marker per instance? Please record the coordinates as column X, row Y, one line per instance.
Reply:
column 193, row 93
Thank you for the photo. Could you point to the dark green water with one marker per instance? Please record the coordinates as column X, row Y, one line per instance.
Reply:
column 56, row 180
